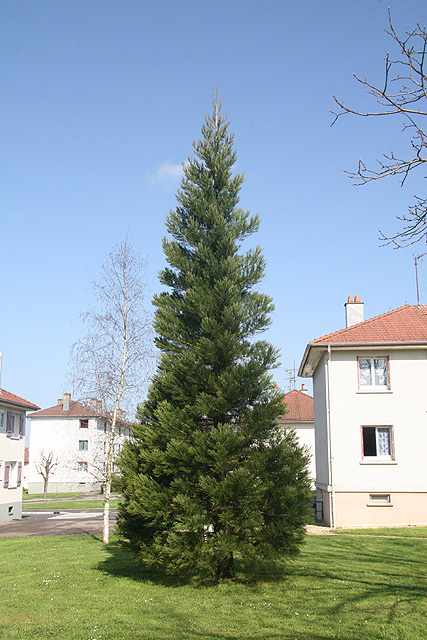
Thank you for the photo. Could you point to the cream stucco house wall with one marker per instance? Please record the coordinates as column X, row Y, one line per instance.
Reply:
column 370, row 412
column 12, row 438
column 77, row 436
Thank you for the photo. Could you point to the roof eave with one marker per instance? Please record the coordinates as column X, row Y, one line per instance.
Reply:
column 358, row 345
column 284, row 419
column 310, row 360
column 27, row 407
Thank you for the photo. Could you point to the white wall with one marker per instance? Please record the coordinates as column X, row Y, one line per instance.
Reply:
column 305, row 434
column 320, row 423
column 62, row 436
column 11, row 450
column 402, row 407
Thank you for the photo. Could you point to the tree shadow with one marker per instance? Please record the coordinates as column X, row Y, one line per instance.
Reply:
column 120, row 562
column 392, row 574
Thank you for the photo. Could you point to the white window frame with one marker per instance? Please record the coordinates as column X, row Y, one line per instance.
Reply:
column 2, row 421
column 378, row 457
column 82, row 466
column 373, row 386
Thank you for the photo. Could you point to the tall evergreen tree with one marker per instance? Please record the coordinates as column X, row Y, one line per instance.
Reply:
column 209, row 473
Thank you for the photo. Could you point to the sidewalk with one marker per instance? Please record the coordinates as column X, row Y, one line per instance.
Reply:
column 93, row 495
column 319, row 530
column 62, row 523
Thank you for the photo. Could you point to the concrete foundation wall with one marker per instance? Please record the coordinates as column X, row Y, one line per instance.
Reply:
column 356, row 509
column 64, row 487
column 10, row 510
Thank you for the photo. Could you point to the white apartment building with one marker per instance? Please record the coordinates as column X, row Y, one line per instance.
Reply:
column 12, row 441
column 370, row 416
column 77, row 438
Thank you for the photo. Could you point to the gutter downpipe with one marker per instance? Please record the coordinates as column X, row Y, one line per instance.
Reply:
column 331, row 480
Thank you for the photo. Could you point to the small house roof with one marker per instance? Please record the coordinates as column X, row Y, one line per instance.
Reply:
column 299, row 405
column 76, row 410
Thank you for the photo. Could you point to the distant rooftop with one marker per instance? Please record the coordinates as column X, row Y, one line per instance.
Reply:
column 65, row 407
column 299, row 405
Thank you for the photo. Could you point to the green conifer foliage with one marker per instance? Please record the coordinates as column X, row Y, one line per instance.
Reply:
column 208, row 473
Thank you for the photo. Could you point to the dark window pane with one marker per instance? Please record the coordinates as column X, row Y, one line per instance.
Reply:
column 369, row 441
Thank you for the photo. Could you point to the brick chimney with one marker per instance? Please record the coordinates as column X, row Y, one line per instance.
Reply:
column 303, row 389
column 353, row 311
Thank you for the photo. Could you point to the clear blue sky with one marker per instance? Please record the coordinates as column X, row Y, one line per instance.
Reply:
column 101, row 102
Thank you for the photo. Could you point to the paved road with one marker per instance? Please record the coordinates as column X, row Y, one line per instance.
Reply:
column 59, row 523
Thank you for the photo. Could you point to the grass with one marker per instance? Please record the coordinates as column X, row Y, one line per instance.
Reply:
column 82, row 505
column 39, row 496
column 395, row 532
column 341, row 587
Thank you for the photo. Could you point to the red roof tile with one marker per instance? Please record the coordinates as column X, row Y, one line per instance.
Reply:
column 76, row 410
column 407, row 324
column 299, row 406
column 10, row 398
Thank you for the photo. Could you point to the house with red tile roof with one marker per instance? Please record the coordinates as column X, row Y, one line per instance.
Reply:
column 299, row 416
column 13, row 410
column 77, row 436
column 370, row 416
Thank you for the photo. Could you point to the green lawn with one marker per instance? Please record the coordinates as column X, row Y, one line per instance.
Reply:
column 341, row 587
column 396, row 532
column 67, row 504
column 55, row 496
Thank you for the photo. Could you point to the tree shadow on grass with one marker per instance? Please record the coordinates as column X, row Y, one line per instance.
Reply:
column 120, row 562
column 386, row 574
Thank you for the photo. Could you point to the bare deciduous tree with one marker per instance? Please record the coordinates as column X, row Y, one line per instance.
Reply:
column 45, row 464
column 404, row 93
column 113, row 360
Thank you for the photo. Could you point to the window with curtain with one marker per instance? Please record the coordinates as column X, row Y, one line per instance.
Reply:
column 377, row 442
column 373, row 373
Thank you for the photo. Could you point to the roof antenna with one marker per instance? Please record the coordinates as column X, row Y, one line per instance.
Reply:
column 292, row 377
column 416, row 259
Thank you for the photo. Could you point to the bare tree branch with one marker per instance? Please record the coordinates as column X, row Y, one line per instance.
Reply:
column 45, row 464
column 115, row 358
column 408, row 75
